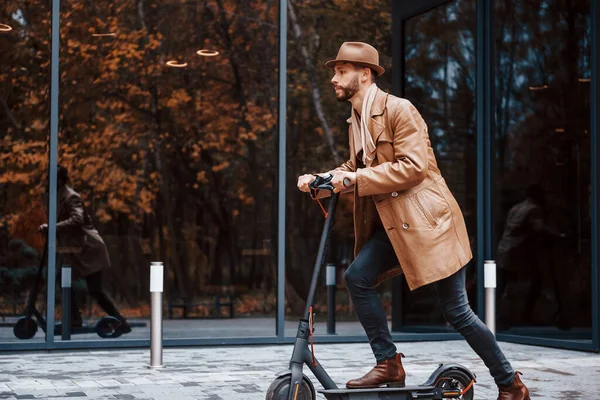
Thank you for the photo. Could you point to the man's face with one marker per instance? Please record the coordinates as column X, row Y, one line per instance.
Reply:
column 345, row 81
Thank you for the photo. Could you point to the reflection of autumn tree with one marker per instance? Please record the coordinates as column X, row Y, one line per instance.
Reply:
column 181, row 159
column 24, row 64
column 179, row 164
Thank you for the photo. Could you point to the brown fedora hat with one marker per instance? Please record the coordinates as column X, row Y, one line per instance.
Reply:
column 358, row 53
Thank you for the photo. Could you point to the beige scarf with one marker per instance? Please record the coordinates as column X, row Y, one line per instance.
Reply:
column 360, row 127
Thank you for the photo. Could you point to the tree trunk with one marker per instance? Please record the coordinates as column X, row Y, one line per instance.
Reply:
column 315, row 91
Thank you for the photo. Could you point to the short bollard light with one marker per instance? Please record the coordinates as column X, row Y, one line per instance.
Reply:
column 156, row 289
column 65, row 280
column 330, row 275
column 489, row 277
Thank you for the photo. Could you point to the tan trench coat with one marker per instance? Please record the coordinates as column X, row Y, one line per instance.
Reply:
column 78, row 243
column 419, row 213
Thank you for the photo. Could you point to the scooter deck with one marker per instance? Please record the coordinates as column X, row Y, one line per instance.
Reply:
column 75, row 330
column 384, row 393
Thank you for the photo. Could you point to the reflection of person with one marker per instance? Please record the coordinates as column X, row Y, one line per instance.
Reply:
column 80, row 245
column 404, row 212
column 525, row 235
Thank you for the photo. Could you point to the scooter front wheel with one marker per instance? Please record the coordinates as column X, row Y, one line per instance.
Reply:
column 25, row 328
column 280, row 389
column 455, row 379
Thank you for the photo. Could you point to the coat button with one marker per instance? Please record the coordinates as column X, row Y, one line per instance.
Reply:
column 394, row 194
column 405, row 225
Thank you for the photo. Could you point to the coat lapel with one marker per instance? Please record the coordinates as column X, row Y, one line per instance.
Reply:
column 376, row 125
column 62, row 196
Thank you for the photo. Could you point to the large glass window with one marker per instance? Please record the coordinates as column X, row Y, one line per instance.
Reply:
column 318, row 141
column 542, row 167
column 24, row 117
column 167, row 129
column 440, row 81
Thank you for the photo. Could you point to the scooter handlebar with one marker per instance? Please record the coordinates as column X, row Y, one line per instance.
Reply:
column 324, row 183
column 320, row 183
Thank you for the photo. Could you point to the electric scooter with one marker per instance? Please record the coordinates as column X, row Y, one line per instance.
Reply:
column 26, row 327
column 448, row 381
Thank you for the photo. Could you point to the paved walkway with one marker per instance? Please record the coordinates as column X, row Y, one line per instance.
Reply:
column 245, row 372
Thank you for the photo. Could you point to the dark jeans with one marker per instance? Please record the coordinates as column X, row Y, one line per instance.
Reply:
column 376, row 257
column 96, row 291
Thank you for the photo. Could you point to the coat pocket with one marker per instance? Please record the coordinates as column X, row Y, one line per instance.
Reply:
column 403, row 213
column 425, row 215
column 432, row 205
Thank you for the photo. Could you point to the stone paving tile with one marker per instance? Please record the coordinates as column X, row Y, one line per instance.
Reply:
column 86, row 384
column 63, row 384
column 109, row 383
column 142, row 381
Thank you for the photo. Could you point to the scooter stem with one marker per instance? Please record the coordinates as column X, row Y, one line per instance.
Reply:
column 322, row 252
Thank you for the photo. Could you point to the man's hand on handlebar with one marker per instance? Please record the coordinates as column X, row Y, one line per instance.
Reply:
column 342, row 180
column 305, row 180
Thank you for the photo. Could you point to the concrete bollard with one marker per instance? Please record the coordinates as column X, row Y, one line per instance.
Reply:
column 489, row 277
column 156, row 289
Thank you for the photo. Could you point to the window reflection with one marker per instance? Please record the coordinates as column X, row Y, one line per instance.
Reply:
column 24, row 110
column 317, row 138
column 168, row 120
column 440, row 81
column 543, row 167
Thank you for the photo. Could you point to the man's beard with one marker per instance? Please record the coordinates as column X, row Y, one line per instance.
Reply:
column 349, row 91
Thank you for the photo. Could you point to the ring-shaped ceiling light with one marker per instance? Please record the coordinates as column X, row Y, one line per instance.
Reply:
column 207, row 53
column 534, row 88
column 104, row 34
column 175, row 64
column 5, row 28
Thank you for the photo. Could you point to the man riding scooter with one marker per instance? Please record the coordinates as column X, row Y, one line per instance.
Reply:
column 80, row 245
column 404, row 213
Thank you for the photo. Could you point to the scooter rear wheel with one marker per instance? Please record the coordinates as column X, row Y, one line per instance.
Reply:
column 456, row 379
column 25, row 328
column 280, row 388
column 108, row 327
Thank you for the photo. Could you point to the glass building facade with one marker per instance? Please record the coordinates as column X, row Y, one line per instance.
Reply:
column 184, row 125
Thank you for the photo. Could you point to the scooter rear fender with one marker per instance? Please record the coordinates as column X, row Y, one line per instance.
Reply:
column 447, row 367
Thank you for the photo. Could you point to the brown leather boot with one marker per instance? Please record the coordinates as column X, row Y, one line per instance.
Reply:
column 516, row 391
column 389, row 372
